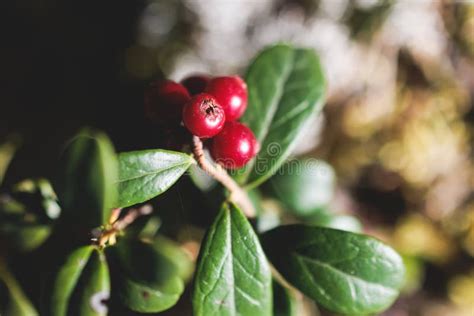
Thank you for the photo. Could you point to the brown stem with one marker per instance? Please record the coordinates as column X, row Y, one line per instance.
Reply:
column 132, row 215
column 237, row 194
column 114, row 215
column 117, row 224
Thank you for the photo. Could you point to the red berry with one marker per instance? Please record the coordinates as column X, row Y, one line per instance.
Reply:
column 203, row 116
column 196, row 83
column 234, row 146
column 231, row 93
column 164, row 101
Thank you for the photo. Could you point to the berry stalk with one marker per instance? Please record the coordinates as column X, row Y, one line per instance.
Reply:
column 237, row 194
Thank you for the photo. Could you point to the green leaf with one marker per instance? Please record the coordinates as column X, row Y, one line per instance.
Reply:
column 233, row 276
column 345, row 272
column 180, row 259
column 18, row 304
column 87, row 187
column 144, row 262
column 96, row 286
column 303, row 186
column 284, row 302
column 67, row 278
column 144, row 299
column 286, row 89
column 148, row 173
column 151, row 273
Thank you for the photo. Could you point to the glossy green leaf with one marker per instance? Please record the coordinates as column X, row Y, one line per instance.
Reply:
column 151, row 273
column 345, row 272
column 96, row 287
column 145, row 299
column 233, row 275
column 87, row 188
column 180, row 259
column 286, row 90
column 144, row 262
column 18, row 304
column 66, row 280
column 148, row 173
column 303, row 186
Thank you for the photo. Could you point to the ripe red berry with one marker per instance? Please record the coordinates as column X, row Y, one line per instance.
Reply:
column 196, row 83
column 231, row 93
column 234, row 146
column 164, row 101
column 203, row 116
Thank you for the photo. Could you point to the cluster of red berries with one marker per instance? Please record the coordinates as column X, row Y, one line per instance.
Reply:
column 209, row 108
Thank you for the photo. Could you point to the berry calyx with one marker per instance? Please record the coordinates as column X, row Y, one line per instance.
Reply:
column 164, row 101
column 203, row 116
column 196, row 83
column 231, row 93
column 234, row 146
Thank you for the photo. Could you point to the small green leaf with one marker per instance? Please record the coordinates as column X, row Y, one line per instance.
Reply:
column 284, row 302
column 18, row 304
column 144, row 262
column 144, row 299
column 148, row 173
column 345, row 272
column 87, row 187
column 303, row 186
column 233, row 276
column 286, row 89
column 96, row 286
column 180, row 259
column 151, row 273
column 66, row 280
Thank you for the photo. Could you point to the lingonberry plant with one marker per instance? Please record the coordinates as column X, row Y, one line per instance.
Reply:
column 117, row 249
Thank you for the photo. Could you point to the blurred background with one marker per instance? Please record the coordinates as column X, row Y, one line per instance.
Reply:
column 397, row 127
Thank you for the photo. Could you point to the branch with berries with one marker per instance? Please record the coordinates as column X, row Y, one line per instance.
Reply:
column 209, row 109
